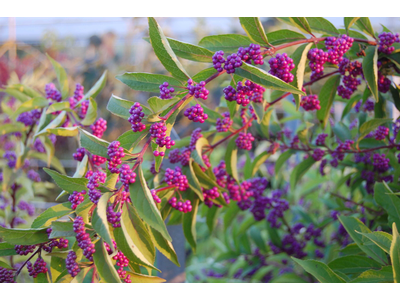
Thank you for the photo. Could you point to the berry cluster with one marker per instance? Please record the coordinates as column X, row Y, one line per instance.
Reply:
column 310, row 103
column 224, row 124
column 320, row 141
column 76, row 198
column 38, row 267
column 121, row 262
column 318, row 154
column 210, row 195
column 60, row 243
column 380, row 163
column 11, row 157
column 99, row 127
column 28, row 207
column 350, row 70
column 83, row 238
column 136, row 117
column 165, row 92
column 116, row 153
column 33, row 175
column 79, row 154
column 281, row 66
column 127, row 176
column 176, row 178
column 6, row 275
column 114, row 218
column 243, row 94
column 199, row 90
column 29, row 118
column 384, row 83
column 317, row 59
column 155, row 196
column 196, row 114
column 94, row 181
column 369, row 105
column 184, row 207
column 381, row 133
column 218, row 60
column 244, row 141
column 158, row 132
column 251, row 54
column 337, row 47
column 52, row 93
column 71, row 264
column 98, row 160
column 84, row 109
column 24, row 249
column 386, row 40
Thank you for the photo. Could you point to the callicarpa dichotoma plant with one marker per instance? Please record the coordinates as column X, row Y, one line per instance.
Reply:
column 115, row 215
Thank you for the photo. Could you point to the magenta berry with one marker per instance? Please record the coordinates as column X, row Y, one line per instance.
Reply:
column 114, row 218
column 318, row 154
column 38, row 267
column 184, row 207
column 281, row 65
column 310, row 103
column 198, row 90
column 71, row 264
column 317, row 59
column 76, row 198
column 83, row 238
column 24, row 249
column 99, row 127
column 218, row 60
column 98, row 160
column 224, row 124
column 251, row 54
column 84, row 109
column 94, row 181
column 196, row 114
column 338, row 46
column 320, row 141
column 116, row 153
column 33, row 175
column 176, row 178
column 386, row 40
column 79, row 154
column 165, row 92
column 383, row 83
column 29, row 118
column 127, row 176
column 136, row 118
column 244, row 141
column 233, row 61
column 52, row 93
column 11, row 157
column 381, row 133
column 6, row 275
column 155, row 196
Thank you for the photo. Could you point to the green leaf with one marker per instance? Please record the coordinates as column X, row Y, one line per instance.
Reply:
column 190, row 51
column 8, row 128
column 34, row 103
column 53, row 213
column 64, row 131
column 126, row 245
column 58, row 106
column 395, row 95
column 104, row 264
column 4, row 265
column 326, row 97
column 91, row 114
column 61, row 76
column 145, row 205
column 265, row 79
column 147, row 82
column 284, row 36
column 352, row 225
column 299, row 59
column 212, row 114
column 395, row 254
column 370, row 125
column 7, row 249
column 364, row 24
column 212, row 217
column 93, row 144
column 41, row 278
column 350, row 105
column 189, row 224
column 164, row 52
column 204, row 180
column 23, row 236
column 53, row 124
column 99, row 219
column 342, row 131
column 98, row 86
column 66, row 183
column 119, row 107
column 299, row 171
column 353, row 264
column 231, row 159
column 301, row 23
column 228, row 43
column 55, row 163
column 129, row 140
column 282, row 160
column 319, row 270
column 141, row 278
column 62, row 229
column 159, row 105
column 194, row 183
column 349, row 21
column 25, row 90
column 204, row 74
column 370, row 70
column 380, row 238
column 254, row 29
column 373, row 276
column 164, row 246
column 322, row 25
column 16, row 94
column 258, row 161
column 391, row 203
